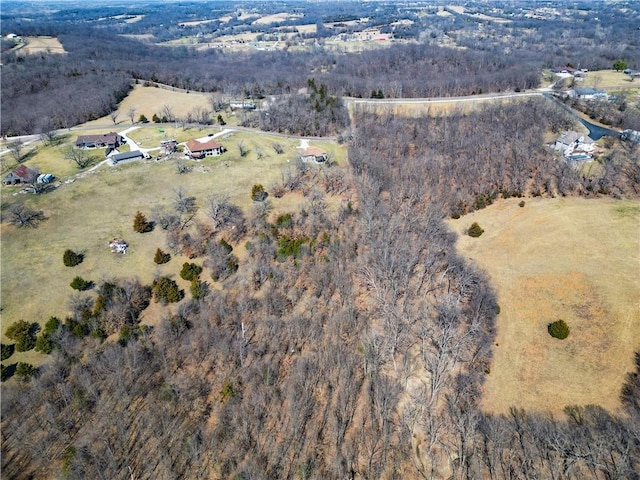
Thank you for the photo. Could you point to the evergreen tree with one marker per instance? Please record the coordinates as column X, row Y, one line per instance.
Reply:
column 558, row 329
column 258, row 193
column 475, row 230
column 140, row 223
column 24, row 334
column 190, row 271
column 71, row 258
column 161, row 257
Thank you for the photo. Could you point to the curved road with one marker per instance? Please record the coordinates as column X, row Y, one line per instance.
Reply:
column 598, row 130
column 469, row 98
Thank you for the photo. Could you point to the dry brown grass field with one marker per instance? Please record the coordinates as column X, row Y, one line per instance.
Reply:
column 87, row 214
column 37, row 45
column 148, row 101
column 423, row 107
column 564, row 258
column 608, row 79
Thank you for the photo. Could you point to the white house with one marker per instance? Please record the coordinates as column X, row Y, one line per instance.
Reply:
column 575, row 145
column 587, row 94
column 631, row 135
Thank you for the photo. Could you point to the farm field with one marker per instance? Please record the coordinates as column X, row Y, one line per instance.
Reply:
column 565, row 258
column 88, row 213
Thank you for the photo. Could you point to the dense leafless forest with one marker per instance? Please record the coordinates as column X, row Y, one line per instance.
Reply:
column 352, row 342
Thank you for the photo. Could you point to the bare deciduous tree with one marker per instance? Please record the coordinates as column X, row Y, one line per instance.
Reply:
column 23, row 216
column 78, row 156
column 16, row 148
column 216, row 101
column 131, row 113
column 167, row 113
column 242, row 149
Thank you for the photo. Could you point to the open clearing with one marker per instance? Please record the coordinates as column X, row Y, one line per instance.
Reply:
column 93, row 210
column 148, row 101
column 36, row 45
column 609, row 79
column 568, row 258
column 424, row 106
column 277, row 17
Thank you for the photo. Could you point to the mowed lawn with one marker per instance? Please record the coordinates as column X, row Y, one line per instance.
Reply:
column 609, row 79
column 565, row 258
column 87, row 214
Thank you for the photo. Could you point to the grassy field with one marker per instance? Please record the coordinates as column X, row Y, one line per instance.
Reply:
column 413, row 108
column 563, row 258
column 608, row 79
column 38, row 45
column 148, row 101
column 95, row 208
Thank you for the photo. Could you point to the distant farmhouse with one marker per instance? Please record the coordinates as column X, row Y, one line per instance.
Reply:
column 22, row 174
column 632, row 73
column 199, row 150
column 107, row 140
column 587, row 94
column 631, row 135
column 313, row 154
column 243, row 105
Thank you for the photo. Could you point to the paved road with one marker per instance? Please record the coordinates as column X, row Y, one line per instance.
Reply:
column 410, row 101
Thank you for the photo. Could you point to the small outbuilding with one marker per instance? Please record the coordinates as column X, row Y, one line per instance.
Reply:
column 168, row 146
column 22, row 174
column 126, row 156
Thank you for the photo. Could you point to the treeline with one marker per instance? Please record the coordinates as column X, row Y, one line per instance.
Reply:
column 88, row 82
column 617, row 112
column 470, row 159
column 57, row 91
column 316, row 113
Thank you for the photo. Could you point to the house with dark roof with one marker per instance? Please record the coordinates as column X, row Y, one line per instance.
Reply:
column 106, row 140
column 198, row 150
column 126, row 156
column 22, row 174
column 313, row 154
